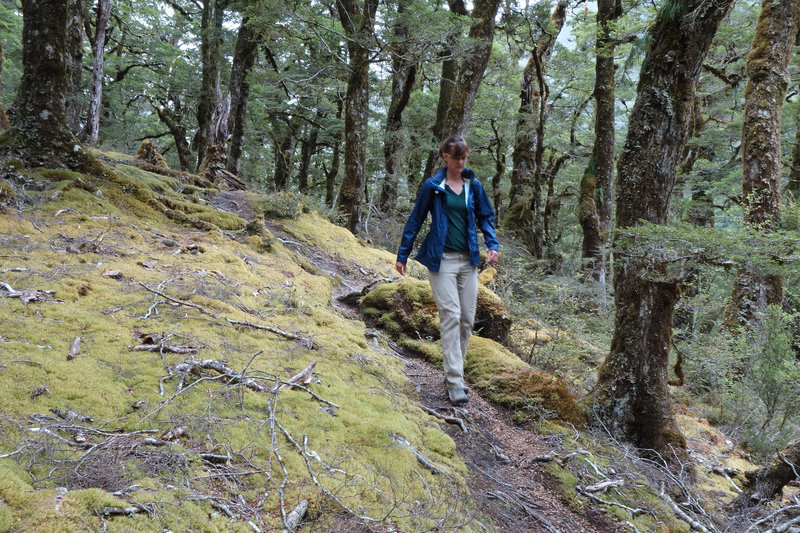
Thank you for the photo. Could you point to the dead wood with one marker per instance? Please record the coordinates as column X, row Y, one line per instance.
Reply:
column 767, row 482
column 449, row 419
column 605, row 485
column 294, row 518
column 239, row 323
column 191, row 366
column 38, row 391
column 163, row 348
column 74, row 349
column 71, row 416
column 173, row 433
column 28, row 295
column 122, row 511
column 304, row 376
column 421, row 458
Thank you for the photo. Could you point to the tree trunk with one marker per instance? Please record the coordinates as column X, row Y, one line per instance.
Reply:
column 525, row 216
column 768, row 78
column 76, row 17
column 91, row 131
column 597, row 184
column 210, row 42
column 309, row 146
column 632, row 395
column 358, row 22
column 404, row 73
column 284, row 151
column 470, row 75
column 333, row 172
column 175, row 121
column 793, row 186
column 447, row 83
column 767, row 482
column 4, row 125
column 244, row 57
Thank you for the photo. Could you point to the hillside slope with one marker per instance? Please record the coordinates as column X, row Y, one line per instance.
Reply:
column 181, row 358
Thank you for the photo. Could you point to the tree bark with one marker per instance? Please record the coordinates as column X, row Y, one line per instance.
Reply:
column 525, row 209
column 358, row 22
column 768, row 79
column 210, row 42
column 309, row 146
column 4, row 124
column 244, row 57
column 333, row 172
column 470, row 75
column 284, row 151
column 793, row 185
column 447, row 84
column 76, row 17
column 91, row 130
column 175, row 120
column 404, row 74
column 767, row 482
column 632, row 395
column 597, row 184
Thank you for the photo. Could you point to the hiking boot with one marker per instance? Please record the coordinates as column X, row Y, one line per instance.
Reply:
column 457, row 395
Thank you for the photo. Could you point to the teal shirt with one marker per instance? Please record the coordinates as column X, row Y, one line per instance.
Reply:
column 456, row 240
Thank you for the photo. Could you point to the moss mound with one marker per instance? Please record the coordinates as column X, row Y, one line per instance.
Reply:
column 406, row 307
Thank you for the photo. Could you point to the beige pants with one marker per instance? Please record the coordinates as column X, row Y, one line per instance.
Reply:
column 455, row 289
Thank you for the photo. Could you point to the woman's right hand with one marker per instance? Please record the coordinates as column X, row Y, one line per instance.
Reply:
column 401, row 267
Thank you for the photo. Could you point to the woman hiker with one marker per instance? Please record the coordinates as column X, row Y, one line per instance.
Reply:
column 457, row 204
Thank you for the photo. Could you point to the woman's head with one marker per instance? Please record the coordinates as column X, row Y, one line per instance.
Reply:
column 455, row 147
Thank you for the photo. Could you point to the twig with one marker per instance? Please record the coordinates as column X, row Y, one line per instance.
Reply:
column 605, row 485
column 771, row 516
column 304, row 376
column 163, row 348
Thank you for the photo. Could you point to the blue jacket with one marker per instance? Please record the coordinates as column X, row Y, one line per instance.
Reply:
column 433, row 198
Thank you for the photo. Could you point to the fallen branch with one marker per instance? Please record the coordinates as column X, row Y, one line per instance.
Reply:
column 421, row 458
column 191, row 366
column 631, row 510
column 74, row 349
column 537, row 459
column 605, row 485
column 304, row 376
column 240, row 323
column 163, row 348
column 121, row 511
column 29, row 295
column 694, row 524
column 449, row 419
column 294, row 518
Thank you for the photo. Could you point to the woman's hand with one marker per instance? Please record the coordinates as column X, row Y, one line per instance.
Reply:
column 491, row 257
column 401, row 267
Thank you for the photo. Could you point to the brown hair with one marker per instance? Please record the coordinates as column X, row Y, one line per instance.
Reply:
column 455, row 145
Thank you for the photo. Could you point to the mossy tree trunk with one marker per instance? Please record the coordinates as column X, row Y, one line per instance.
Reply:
column 39, row 132
column 244, row 57
column 793, row 185
column 210, row 43
column 76, row 18
column 470, row 74
column 768, row 77
column 284, row 151
column 4, row 125
column 91, row 130
column 525, row 214
column 447, row 83
column 358, row 22
column 307, row 149
column 597, row 184
column 332, row 172
column 768, row 481
column 404, row 74
column 174, row 118
column 632, row 395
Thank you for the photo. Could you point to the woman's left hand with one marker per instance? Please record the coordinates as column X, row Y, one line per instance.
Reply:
column 491, row 257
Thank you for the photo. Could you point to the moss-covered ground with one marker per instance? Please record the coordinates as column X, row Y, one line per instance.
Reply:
column 87, row 441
